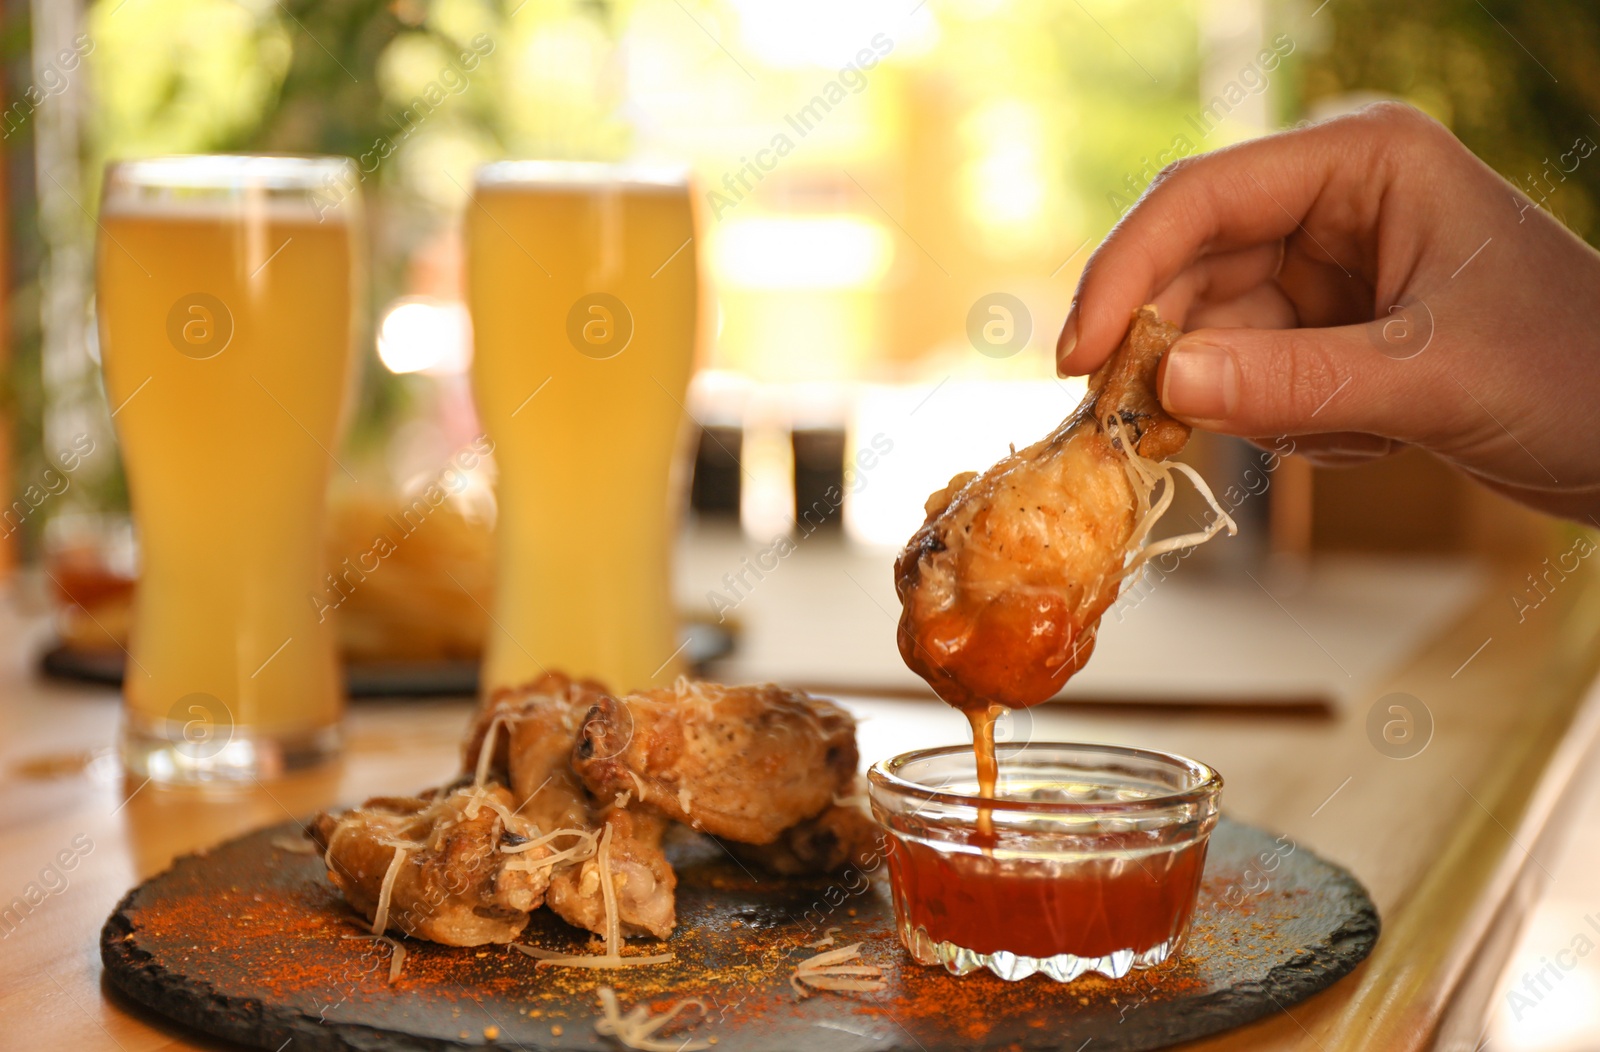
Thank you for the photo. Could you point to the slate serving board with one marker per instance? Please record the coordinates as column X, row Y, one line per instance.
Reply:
column 245, row 942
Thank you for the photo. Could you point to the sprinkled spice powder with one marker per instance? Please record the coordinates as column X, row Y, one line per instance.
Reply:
column 255, row 924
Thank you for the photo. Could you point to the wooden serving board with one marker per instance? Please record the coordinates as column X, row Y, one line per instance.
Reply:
column 245, row 942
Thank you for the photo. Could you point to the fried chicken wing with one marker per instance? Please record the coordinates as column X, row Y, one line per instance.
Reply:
column 743, row 763
column 643, row 879
column 1003, row 587
column 567, row 793
column 453, row 870
column 842, row 836
column 534, row 751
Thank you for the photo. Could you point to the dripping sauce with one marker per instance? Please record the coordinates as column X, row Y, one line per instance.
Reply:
column 1122, row 896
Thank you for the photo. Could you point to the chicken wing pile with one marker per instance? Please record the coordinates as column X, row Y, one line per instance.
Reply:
column 567, row 792
column 1003, row 587
column 447, row 878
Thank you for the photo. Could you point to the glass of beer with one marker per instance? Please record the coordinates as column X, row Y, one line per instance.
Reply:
column 225, row 289
column 583, row 285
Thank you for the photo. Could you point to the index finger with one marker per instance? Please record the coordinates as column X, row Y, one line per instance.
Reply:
column 1232, row 198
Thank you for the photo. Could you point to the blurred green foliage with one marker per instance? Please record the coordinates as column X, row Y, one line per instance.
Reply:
column 1124, row 82
column 1518, row 82
column 300, row 76
column 1113, row 82
column 415, row 89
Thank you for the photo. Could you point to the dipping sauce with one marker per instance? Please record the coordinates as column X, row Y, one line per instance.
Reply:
column 1089, row 907
column 1084, row 858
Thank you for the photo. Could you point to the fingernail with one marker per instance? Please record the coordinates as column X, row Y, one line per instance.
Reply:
column 1200, row 382
column 1066, row 341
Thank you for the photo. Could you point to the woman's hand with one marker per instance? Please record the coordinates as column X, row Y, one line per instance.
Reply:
column 1361, row 283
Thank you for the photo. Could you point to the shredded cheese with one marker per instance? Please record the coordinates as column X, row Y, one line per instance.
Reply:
column 612, row 958
column 570, row 960
column 638, row 1028
column 481, row 773
column 608, row 895
column 588, row 835
column 295, row 845
column 508, row 817
column 579, row 852
column 637, row 784
column 582, row 850
column 380, row 917
column 397, row 953
column 832, row 970
column 1145, row 474
column 826, row 940
column 486, row 750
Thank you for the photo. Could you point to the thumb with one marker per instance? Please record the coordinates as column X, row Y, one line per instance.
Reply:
column 1297, row 381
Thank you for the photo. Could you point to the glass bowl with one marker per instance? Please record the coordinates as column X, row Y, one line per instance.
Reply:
column 1087, row 859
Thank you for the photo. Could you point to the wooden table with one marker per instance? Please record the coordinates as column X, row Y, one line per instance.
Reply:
column 1448, row 841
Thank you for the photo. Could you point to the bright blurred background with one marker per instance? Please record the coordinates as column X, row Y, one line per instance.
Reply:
column 870, row 171
column 897, row 199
